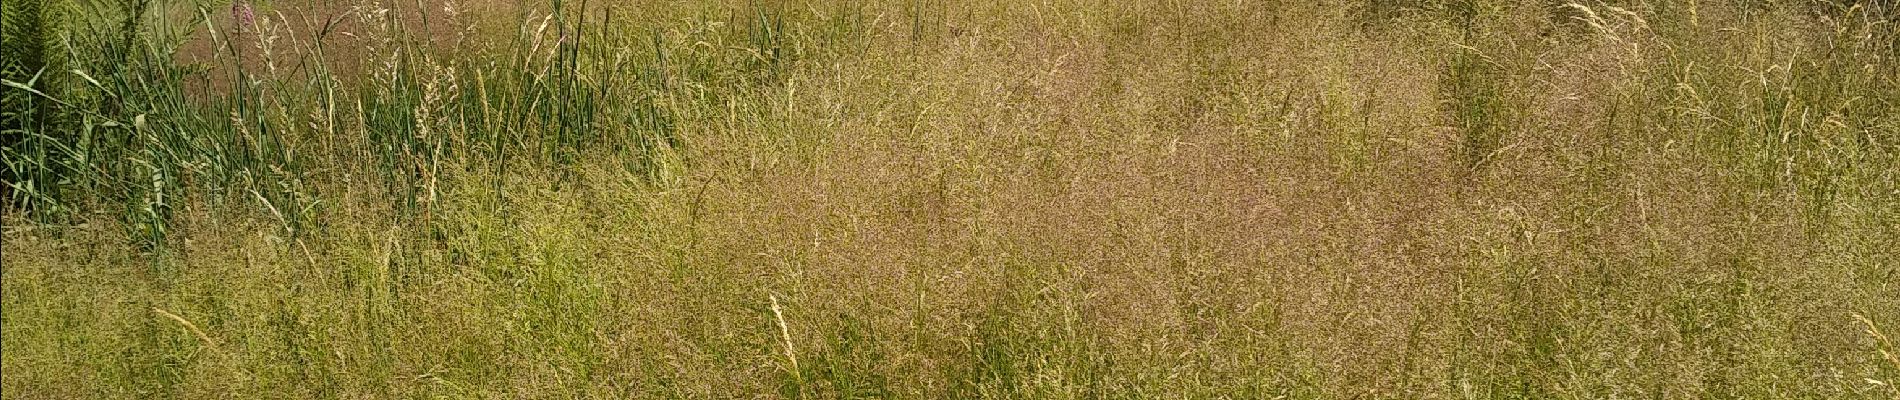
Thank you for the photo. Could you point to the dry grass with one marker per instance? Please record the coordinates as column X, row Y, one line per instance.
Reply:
column 1056, row 199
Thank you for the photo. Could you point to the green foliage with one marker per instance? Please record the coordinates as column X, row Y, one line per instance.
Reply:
column 32, row 35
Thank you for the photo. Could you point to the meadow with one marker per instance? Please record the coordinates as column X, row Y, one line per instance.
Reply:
column 985, row 199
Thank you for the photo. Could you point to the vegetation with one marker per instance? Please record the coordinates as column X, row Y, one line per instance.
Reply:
column 951, row 199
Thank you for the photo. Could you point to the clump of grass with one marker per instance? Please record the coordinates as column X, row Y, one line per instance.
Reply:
column 953, row 199
column 1474, row 93
column 1473, row 86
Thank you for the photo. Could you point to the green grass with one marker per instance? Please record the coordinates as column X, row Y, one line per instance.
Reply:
column 934, row 199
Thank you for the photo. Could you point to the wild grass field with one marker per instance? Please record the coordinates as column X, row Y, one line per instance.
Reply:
column 985, row 199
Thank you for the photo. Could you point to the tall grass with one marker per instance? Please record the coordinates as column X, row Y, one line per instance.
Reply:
column 924, row 199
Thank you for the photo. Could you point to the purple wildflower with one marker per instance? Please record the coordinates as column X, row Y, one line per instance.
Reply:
column 241, row 12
